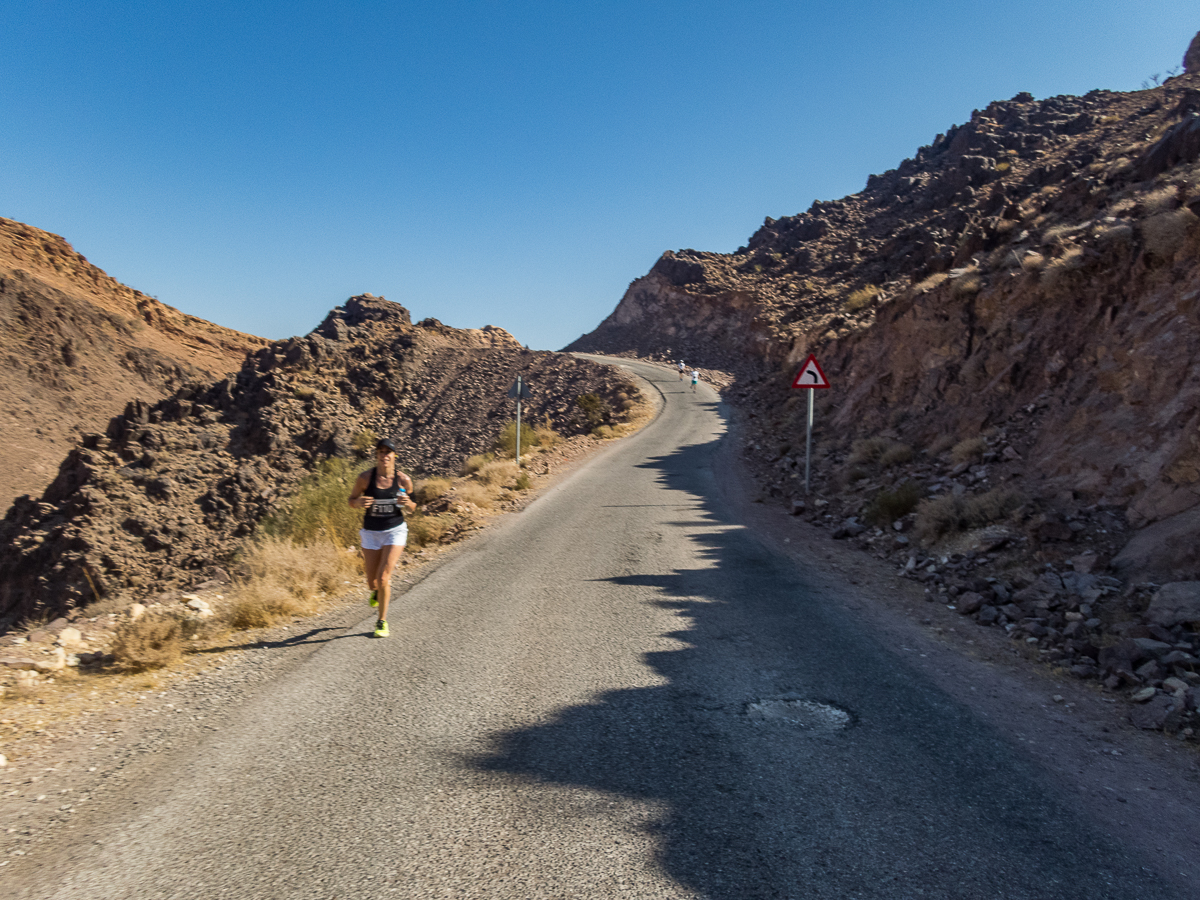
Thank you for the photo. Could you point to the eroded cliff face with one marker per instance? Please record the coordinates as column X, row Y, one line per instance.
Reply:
column 173, row 488
column 1035, row 271
column 76, row 346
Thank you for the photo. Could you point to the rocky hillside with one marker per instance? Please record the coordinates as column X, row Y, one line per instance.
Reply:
column 1011, row 324
column 1035, row 270
column 76, row 346
column 172, row 489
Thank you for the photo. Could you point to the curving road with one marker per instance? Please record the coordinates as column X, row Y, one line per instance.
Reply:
column 618, row 692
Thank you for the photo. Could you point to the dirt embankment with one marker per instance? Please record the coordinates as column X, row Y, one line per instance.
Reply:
column 171, row 490
column 76, row 346
column 1010, row 321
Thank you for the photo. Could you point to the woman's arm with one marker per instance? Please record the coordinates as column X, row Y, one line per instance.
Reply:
column 357, row 500
column 407, row 484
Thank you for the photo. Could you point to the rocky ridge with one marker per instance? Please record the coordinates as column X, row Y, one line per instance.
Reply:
column 76, row 345
column 1010, row 320
column 171, row 490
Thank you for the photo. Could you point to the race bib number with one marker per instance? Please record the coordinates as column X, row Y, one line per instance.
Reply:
column 384, row 506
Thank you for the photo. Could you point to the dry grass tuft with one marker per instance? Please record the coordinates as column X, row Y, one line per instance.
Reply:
column 476, row 494
column 888, row 506
column 966, row 285
column 429, row 489
column 949, row 513
column 861, row 298
column 477, row 462
column 867, row 451
column 1165, row 233
column 424, row 529
column 941, row 444
column 498, row 473
column 148, row 642
column 931, row 282
column 1033, row 262
column 1160, row 200
column 969, row 450
column 286, row 579
column 1071, row 260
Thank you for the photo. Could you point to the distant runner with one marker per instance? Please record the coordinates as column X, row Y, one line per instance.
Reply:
column 695, row 379
column 384, row 493
column 681, row 369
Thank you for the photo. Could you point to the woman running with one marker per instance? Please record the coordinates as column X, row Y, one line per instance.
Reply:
column 384, row 493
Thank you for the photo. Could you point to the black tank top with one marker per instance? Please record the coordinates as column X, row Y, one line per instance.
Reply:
column 386, row 512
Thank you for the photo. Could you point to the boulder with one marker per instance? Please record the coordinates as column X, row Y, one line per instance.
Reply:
column 1152, row 715
column 969, row 602
column 1045, row 588
column 1176, row 603
column 1168, row 550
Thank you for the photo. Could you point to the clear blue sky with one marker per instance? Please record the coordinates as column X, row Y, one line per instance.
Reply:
column 507, row 163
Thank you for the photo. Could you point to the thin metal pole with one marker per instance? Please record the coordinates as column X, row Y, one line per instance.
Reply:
column 518, row 420
column 808, row 442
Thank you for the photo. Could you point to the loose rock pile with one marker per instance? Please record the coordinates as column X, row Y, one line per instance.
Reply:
column 172, row 490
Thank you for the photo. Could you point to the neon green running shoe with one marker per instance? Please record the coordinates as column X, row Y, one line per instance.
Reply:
column 381, row 629
column 373, row 600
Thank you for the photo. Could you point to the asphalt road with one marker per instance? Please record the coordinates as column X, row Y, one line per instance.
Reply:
column 617, row 692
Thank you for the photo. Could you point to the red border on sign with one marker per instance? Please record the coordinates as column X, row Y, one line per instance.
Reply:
column 812, row 358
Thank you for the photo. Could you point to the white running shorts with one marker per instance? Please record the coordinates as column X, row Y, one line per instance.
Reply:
column 377, row 540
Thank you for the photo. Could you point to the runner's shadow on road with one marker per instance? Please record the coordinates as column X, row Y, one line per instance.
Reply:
column 916, row 797
column 309, row 637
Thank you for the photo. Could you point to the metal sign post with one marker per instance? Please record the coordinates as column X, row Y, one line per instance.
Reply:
column 810, row 376
column 521, row 391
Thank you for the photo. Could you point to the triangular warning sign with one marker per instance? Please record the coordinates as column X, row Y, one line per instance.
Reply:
column 810, row 375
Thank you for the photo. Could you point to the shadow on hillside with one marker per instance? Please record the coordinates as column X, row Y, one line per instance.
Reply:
column 917, row 797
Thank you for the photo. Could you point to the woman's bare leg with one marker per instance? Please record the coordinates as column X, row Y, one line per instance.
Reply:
column 371, row 567
column 389, row 558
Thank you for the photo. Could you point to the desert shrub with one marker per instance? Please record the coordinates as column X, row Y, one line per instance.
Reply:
column 284, row 578
column 1115, row 234
column 931, row 282
column 948, row 514
column 304, row 393
column 365, row 441
column 429, row 489
column 499, row 472
column 1163, row 199
column 867, row 451
column 1003, row 167
column 996, row 504
column 861, row 298
column 506, row 443
column 148, row 642
column 1072, row 259
column 260, row 603
column 967, row 285
column 604, row 432
column 941, row 444
column 888, row 506
column 476, row 494
column 1165, row 233
column 424, row 529
column 968, row 450
column 318, row 511
column 895, row 455
column 939, row 516
column 595, row 409
column 1033, row 262
column 477, row 462
column 524, row 482
column 546, row 435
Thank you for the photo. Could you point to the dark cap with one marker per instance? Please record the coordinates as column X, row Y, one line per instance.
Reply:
column 386, row 443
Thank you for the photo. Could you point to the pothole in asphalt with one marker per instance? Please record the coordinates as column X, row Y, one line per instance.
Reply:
column 806, row 714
